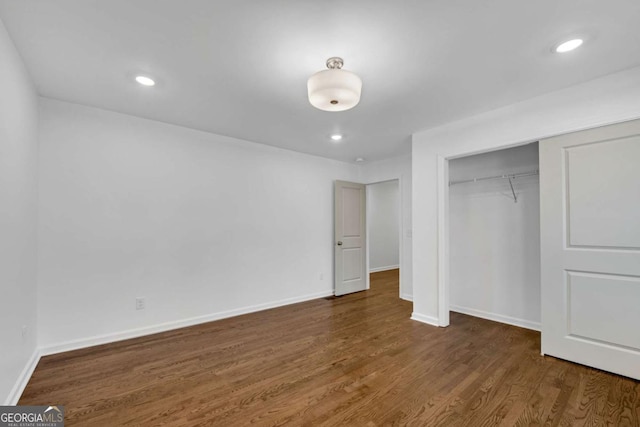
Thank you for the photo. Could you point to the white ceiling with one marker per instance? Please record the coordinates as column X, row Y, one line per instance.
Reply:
column 239, row 67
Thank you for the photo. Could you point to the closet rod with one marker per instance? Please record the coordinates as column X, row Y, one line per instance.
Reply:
column 487, row 178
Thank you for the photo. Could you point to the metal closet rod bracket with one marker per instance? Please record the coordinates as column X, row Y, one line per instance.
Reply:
column 515, row 198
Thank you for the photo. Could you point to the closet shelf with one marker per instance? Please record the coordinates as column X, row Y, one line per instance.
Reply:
column 488, row 178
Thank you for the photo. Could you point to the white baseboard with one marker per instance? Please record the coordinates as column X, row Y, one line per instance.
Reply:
column 522, row 323
column 168, row 326
column 429, row 320
column 23, row 379
column 379, row 269
column 406, row 297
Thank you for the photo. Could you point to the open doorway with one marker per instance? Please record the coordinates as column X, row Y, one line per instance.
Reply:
column 384, row 230
column 494, row 236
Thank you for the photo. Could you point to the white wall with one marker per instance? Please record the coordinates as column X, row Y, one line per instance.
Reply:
column 383, row 214
column 201, row 225
column 397, row 168
column 602, row 101
column 18, row 194
column 494, row 242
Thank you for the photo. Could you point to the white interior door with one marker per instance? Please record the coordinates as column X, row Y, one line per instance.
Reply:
column 350, row 240
column 590, row 243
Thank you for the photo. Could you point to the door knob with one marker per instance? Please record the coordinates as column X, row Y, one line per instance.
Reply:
column 339, row 243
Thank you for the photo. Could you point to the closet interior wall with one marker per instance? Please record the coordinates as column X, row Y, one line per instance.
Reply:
column 495, row 240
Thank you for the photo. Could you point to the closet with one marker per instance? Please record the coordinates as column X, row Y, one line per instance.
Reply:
column 494, row 236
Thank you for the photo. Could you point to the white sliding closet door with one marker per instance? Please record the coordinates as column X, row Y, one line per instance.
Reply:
column 590, row 246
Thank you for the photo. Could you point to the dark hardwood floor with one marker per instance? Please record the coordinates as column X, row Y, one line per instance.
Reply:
column 356, row 360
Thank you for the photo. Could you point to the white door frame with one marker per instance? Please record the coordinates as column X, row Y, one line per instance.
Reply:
column 443, row 157
column 400, row 232
column 443, row 223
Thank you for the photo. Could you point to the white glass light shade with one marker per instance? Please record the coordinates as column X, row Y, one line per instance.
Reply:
column 334, row 90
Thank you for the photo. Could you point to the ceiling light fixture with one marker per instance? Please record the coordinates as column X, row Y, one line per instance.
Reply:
column 568, row 46
column 145, row 81
column 336, row 137
column 359, row 159
column 334, row 89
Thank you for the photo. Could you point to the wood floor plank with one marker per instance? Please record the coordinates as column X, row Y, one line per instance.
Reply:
column 356, row 360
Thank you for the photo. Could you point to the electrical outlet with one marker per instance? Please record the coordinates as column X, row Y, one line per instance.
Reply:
column 25, row 331
column 139, row 303
column 321, row 276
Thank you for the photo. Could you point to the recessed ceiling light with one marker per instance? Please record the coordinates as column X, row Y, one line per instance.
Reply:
column 336, row 137
column 568, row 46
column 359, row 159
column 145, row 81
